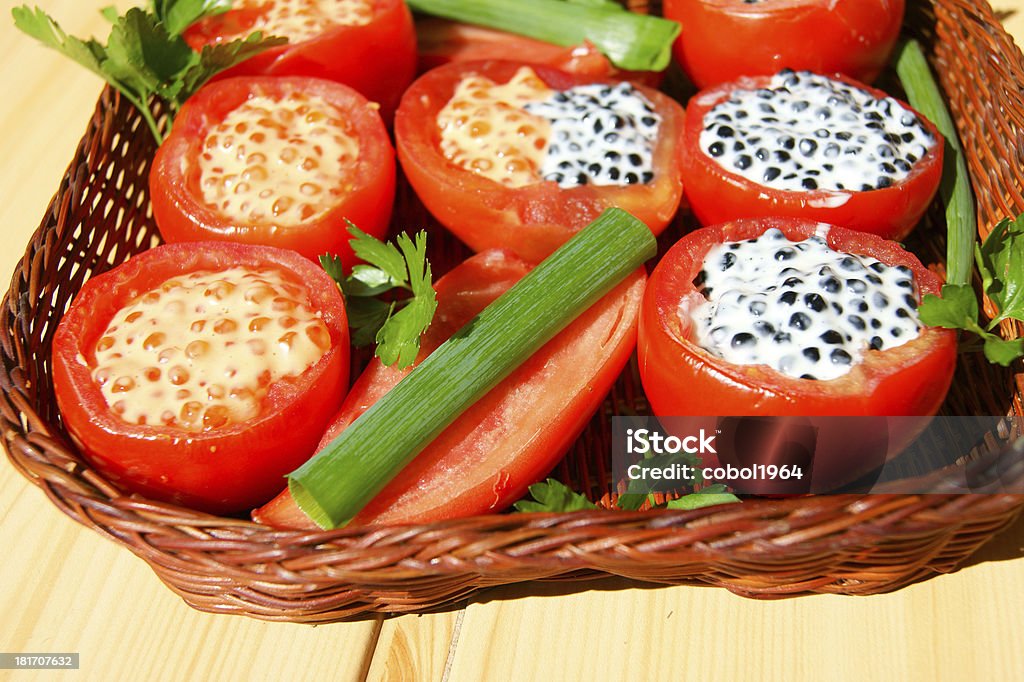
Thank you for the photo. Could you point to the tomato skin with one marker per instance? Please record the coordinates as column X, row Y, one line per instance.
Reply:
column 680, row 378
column 221, row 471
column 722, row 40
column 516, row 433
column 377, row 59
column 441, row 41
column 182, row 215
column 717, row 195
column 531, row 221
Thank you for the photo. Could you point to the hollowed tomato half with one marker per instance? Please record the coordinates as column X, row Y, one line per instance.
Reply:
column 280, row 162
column 535, row 219
column 219, row 436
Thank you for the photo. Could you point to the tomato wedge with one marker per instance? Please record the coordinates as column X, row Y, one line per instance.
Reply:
column 375, row 55
column 722, row 40
column 531, row 220
column 718, row 194
column 681, row 378
column 227, row 450
column 275, row 161
column 516, row 433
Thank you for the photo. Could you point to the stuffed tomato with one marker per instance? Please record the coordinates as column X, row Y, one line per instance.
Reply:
column 276, row 161
column 778, row 316
column 521, row 157
column 369, row 45
column 517, row 432
column 808, row 146
column 722, row 40
column 202, row 373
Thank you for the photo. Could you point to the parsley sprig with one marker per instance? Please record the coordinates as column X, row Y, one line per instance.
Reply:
column 145, row 55
column 394, row 324
column 1000, row 261
column 554, row 496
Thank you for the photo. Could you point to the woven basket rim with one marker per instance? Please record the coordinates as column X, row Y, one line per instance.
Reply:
column 494, row 548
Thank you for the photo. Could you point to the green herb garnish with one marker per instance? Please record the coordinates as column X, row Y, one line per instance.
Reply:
column 553, row 496
column 395, row 325
column 145, row 55
column 1000, row 261
column 339, row 480
column 637, row 42
column 706, row 497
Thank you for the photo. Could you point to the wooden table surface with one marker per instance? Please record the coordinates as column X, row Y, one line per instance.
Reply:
column 64, row 588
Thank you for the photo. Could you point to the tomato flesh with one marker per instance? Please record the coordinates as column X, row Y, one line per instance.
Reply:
column 377, row 59
column 722, row 40
column 219, row 470
column 363, row 194
column 516, row 433
column 717, row 195
column 534, row 220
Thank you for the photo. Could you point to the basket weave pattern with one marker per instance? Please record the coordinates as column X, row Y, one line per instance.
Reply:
column 764, row 548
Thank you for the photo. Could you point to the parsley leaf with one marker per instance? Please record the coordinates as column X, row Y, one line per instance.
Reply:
column 145, row 55
column 177, row 15
column 216, row 58
column 1000, row 261
column 956, row 309
column 1000, row 351
column 553, row 496
column 395, row 325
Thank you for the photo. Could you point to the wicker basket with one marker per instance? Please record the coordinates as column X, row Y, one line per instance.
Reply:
column 762, row 548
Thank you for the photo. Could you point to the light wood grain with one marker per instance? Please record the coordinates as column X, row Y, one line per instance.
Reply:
column 65, row 588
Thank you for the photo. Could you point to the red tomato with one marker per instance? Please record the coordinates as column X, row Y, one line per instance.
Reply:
column 536, row 219
column 680, row 378
column 441, row 41
column 515, row 434
column 722, row 40
column 717, row 195
column 377, row 59
column 220, row 470
column 363, row 193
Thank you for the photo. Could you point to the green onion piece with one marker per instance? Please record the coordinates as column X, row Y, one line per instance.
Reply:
column 961, row 220
column 636, row 42
column 343, row 477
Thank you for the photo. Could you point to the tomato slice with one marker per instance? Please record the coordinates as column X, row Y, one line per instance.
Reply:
column 293, row 124
column 717, row 194
column 681, row 378
column 378, row 58
column 516, row 433
column 234, row 465
column 440, row 41
column 535, row 219
column 722, row 40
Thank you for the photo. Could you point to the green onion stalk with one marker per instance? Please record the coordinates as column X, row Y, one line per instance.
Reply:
column 341, row 479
